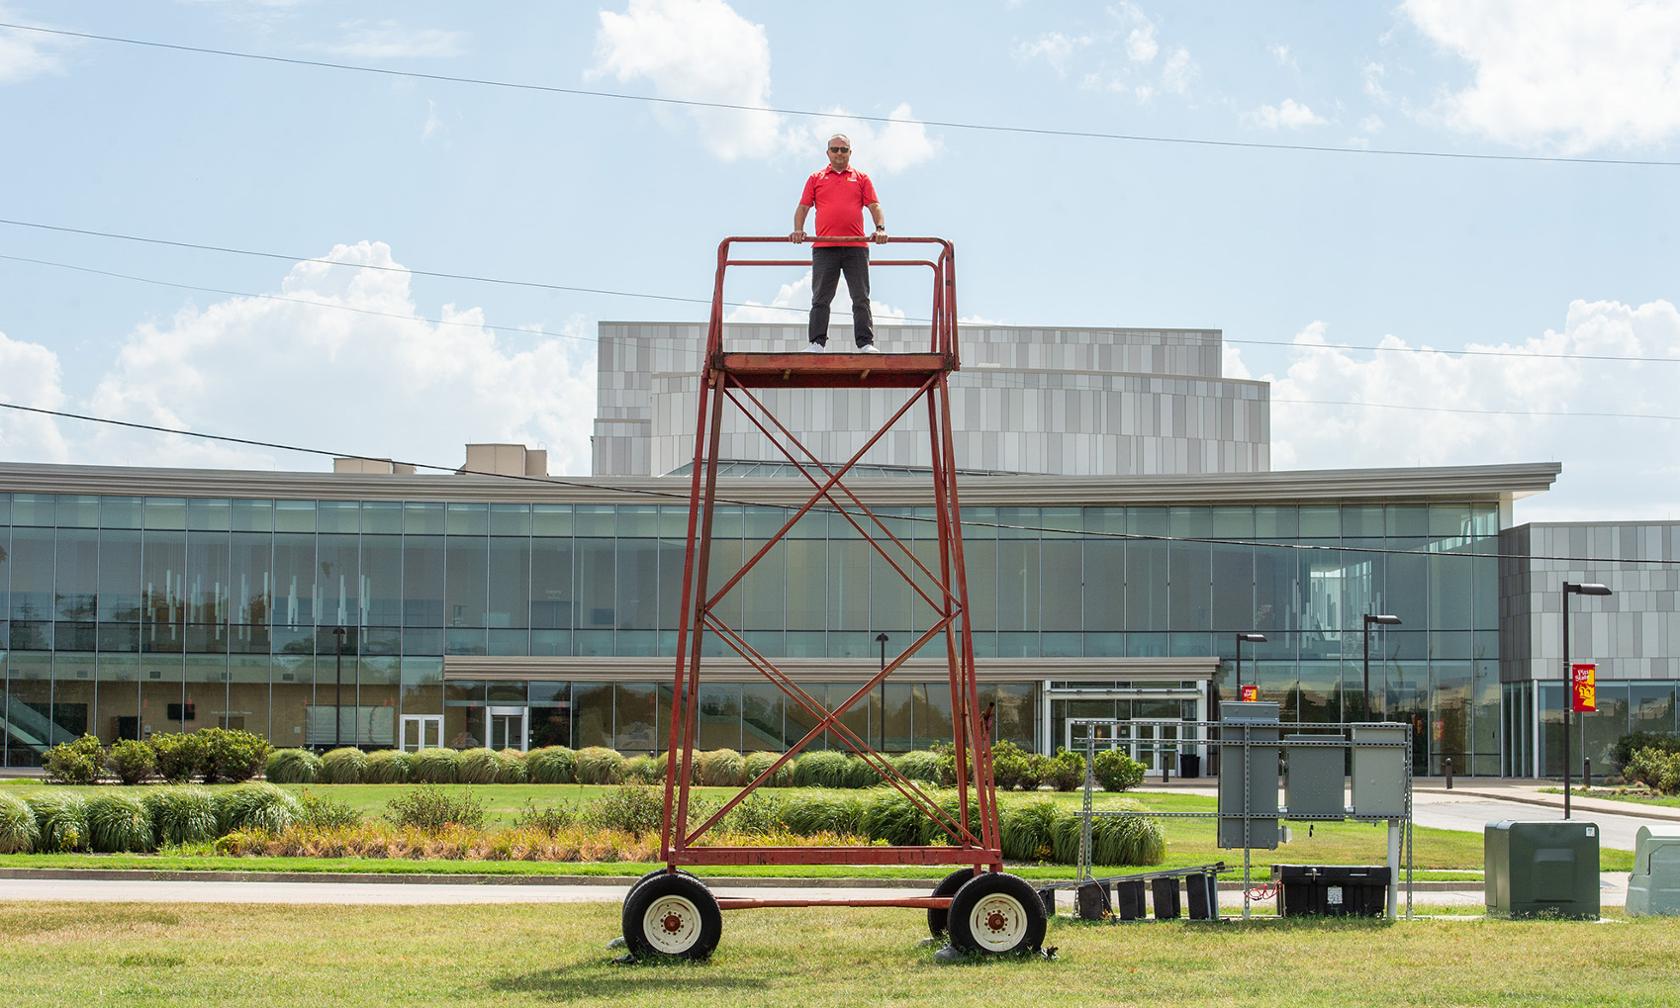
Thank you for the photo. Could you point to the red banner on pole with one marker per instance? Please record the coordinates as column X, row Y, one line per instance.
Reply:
column 1583, row 683
column 1248, row 692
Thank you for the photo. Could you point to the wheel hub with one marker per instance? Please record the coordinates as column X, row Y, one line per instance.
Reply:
column 996, row 921
column 672, row 923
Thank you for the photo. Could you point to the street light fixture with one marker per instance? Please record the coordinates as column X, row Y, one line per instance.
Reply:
column 1252, row 638
column 338, row 690
column 1571, row 588
column 881, row 639
column 1382, row 619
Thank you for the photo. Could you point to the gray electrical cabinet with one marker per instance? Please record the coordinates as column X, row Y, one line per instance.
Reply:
column 1534, row 868
column 1313, row 784
column 1379, row 774
column 1256, row 792
column 1654, row 889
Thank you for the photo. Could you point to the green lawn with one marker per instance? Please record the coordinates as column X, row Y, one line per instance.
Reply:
column 148, row 956
column 1189, row 841
column 1616, row 794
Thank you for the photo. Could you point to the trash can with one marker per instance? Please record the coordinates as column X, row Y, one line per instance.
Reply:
column 1189, row 765
column 1546, row 867
column 1654, row 888
column 1331, row 890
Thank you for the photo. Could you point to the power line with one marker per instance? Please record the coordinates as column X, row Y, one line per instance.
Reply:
column 684, row 497
column 809, row 114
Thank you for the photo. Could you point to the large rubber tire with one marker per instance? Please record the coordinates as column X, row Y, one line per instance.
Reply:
column 997, row 914
column 672, row 917
column 937, row 917
column 624, row 915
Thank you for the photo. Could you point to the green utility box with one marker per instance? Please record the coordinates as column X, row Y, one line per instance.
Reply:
column 1654, row 889
column 1535, row 868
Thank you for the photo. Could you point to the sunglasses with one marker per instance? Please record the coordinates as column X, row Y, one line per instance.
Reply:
column 839, row 150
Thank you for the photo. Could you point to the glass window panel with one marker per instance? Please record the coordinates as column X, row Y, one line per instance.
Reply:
column 76, row 574
column 338, row 516
column 510, row 519
column 725, row 562
column 466, row 593
column 1484, row 724
column 119, row 697
column 166, row 513
column 1321, row 522
column 423, row 581
column 209, row 515
column 1275, row 522
column 294, row 578
column 1015, row 718
column 163, row 561
column 761, row 718
column 510, row 582
column 253, row 516
column 764, row 590
column 119, row 576
column 77, row 511
column 383, row 517
column 1362, row 520
column 118, row 638
column 1062, row 584
column 1146, row 585
column 31, row 561
column 510, row 642
column 120, row 513
column 551, row 520
column 636, row 583
column 207, row 577
column 422, row 685
column 466, row 641
column 423, row 518
column 294, row 516
column 931, row 709
column 592, row 714
column 637, row 724
column 1233, row 588
column 1018, row 590
column 467, row 519
column 1190, row 586
column 33, row 509
column 637, row 520
column 1651, row 708
column 381, row 580
column 1104, row 592
column 551, row 583
column 595, row 520
column 597, row 594
column 427, row 641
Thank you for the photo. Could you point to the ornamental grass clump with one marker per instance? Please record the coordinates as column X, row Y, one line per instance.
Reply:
column 1027, row 830
column 119, row 824
column 256, row 806
column 181, row 815
column 755, row 763
column 919, row 765
column 719, row 768
column 599, row 765
column 821, row 769
column 435, row 766
column 860, row 774
column 346, row 765
column 551, row 765
column 292, row 766
column 387, row 766
column 61, row 819
column 477, row 766
column 810, row 814
column 510, row 767
column 644, row 770
column 890, row 817
column 19, row 833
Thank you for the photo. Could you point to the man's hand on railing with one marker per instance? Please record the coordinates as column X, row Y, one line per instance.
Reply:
column 797, row 237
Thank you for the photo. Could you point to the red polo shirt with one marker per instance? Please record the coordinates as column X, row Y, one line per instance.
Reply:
column 839, row 198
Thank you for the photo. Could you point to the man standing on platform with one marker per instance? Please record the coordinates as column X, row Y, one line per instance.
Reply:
column 840, row 193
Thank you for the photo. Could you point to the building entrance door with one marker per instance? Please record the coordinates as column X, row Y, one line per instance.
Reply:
column 421, row 731
column 508, row 727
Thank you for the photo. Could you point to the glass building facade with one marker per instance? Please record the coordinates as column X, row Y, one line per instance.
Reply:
column 127, row 615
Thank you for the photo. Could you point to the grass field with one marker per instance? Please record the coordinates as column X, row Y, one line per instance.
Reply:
column 145, row 956
column 1189, row 841
column 1616, row 794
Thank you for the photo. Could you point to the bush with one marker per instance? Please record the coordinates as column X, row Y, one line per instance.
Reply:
column 759, row 812
column 477, row 766
column 510, row 767
column 1116, row 771
column 1009, row 764
column 1126, row 840
column 935, row 833
column 326, row 813
column 1627, row 745
column 756, row 763
column 232, row 755
column 346, row 765
column 434, row 808
column 551, row 765
column 19, row 833
column 549, row 820
column 292, row 766
column 119, row 824
column 77, row 762
column 1028, row 830
column 597, row 765
column 1064, row 771
column 132, row 761
column 1655, row 768
column 918, row 765
column 859, row 774
column 61, row 817
column 256, row 807
column 387, row 766
column 180, row 756
column 719, row 768
column 644, row 770
column 434, row 766
column 891, row 817
column 808, row 814
column 821, row 769
column 181, row 815
column 631, row 808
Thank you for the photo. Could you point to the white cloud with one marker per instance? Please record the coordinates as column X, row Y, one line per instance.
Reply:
column 1288, row 114
column 433, row 123
column 1605, row 460
column 27, row 54
column 1178, row 71
column 1575, row 75
column 1141, row 46
column 1371, row 124
column 1373, row 76
column 1284, row 56
column 1053, row 48
column 399, row 387
column 792, row 303
column 877, row 148
column 1094, row 58
column 390, row 40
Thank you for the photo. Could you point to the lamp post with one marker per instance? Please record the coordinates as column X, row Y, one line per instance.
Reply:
column 1385, row 620
column 1252, row 638
column 1571, row 588
column 881, row 639
column 338, row 689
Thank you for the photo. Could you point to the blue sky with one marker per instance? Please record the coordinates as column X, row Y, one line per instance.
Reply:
column 1300, row 248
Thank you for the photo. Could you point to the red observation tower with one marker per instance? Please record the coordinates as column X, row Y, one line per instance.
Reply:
column 670, row 913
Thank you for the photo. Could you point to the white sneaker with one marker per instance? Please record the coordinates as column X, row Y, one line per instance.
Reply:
column 814, row 347
column 868, row 348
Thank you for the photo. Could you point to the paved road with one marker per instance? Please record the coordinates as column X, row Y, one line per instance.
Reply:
column 1457, row 811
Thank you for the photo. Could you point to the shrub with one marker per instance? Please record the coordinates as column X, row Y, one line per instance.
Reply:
column 256, row 806
column 598, row 765
column 232, row 755
column 821, row 769
column 719, row 768
column 1009, row 764
column 918, row 765
column 859, row 774
column 18, row 831
column 181, row 815
column 132, row 761
column 61, row 817
column 1027, row 830
column 326, row 813
column 477, row 766
column 1116, row 771
column 387, row 766
column 644, row 770
column 1064, row 771
column 756, row 763
column 1627, row 745
column 345, row 765
column 434, row 808
column 551, row 765
column 934, row 833
column 891, row 817
column 808, row 814
column 759, row 812
column 1126, row 840
column 1656, row 769
column 510, row 767
column 292, row 766
column 434, row 766
column 77, row 762
column 119, row 824
column 631, row 808
column 550, row 820
column 180, row 756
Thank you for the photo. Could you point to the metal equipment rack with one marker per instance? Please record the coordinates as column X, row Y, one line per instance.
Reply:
column 672, row 914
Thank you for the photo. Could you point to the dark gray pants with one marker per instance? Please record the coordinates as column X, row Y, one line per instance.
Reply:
column 826, row 266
